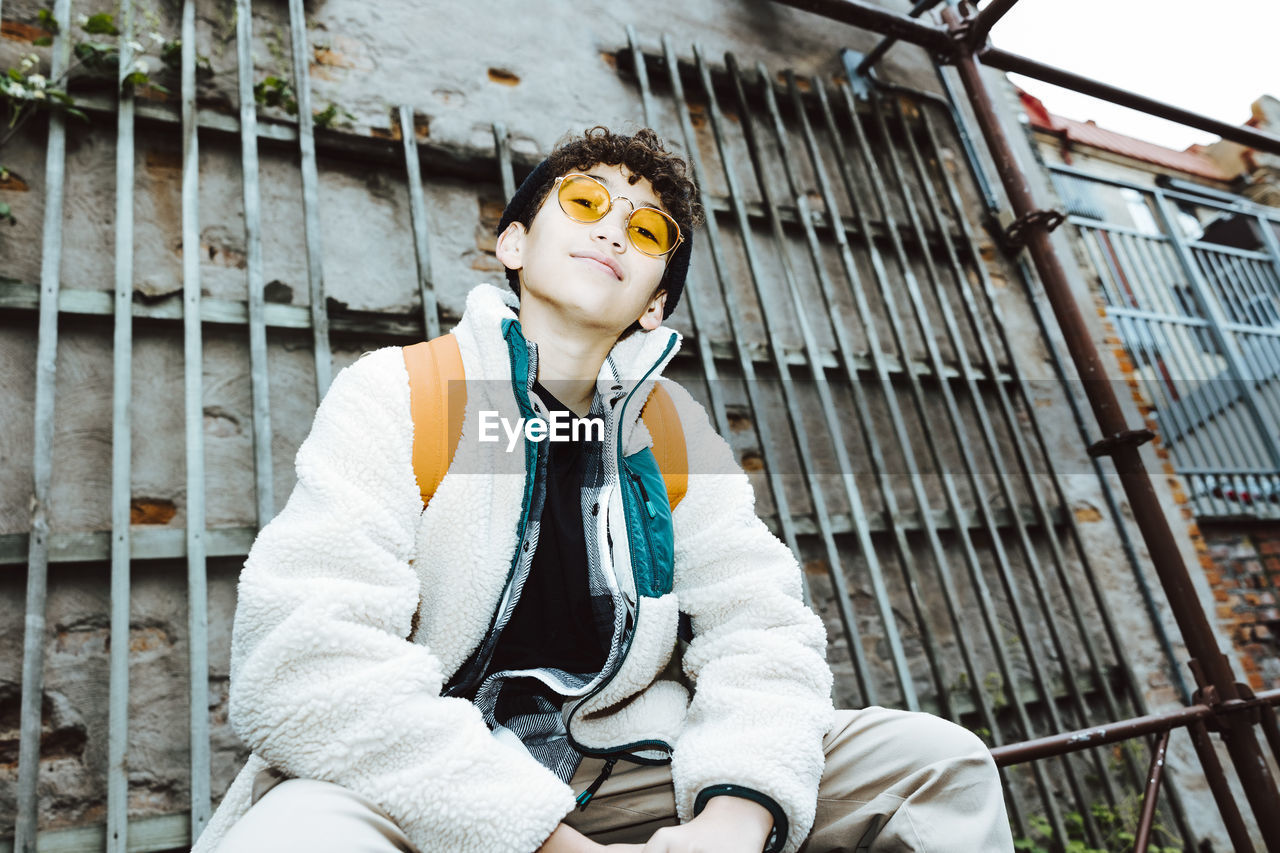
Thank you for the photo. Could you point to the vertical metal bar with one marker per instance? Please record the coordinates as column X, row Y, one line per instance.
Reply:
column 121, row 456
column 418, row 214
column 502, row 146
column 963, row 444
column 1210, row 450
column 845, row 354
column 1226, row 342
column 1209, row 398
column 1222, row 795
column 642, row 75
column 1252, row 442
column 911, row 574
column 690, row 299
column 875, row 455
column 1270, row 729
column 1226, row 285
column 1151, row 794
column 310, row 196
column 1251, row 275
column 977, row 167
column 1167, row 352
column 758, row 410
column 33, row 639
column 193, row 385
column 844, row 601
column 1013, row 429
column 857, row 513
column 264, row 490
column 869, row 431
column 992, row 306
column 1036, row 301
column 1212, row 667
column 1175, row 674
column 1194, row 386
column 1271, row 243
column 986, row 605
column 1173, row 351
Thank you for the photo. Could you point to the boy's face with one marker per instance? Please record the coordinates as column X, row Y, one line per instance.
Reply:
column 589, row 271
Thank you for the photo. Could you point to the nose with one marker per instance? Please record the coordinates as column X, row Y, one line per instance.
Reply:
column 612, row 230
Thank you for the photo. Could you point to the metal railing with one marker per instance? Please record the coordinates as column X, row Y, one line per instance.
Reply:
column 1200, row 321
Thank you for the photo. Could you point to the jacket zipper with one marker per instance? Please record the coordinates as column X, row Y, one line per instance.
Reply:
column 568, row 726
column 644, row 493
column 585, row 796
column 489, row 643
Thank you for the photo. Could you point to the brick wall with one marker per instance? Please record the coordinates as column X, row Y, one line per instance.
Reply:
column 1245, row 576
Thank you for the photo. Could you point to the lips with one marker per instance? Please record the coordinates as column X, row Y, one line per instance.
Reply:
column 600, row 261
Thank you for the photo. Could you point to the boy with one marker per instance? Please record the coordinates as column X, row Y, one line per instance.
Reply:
column 448, row 679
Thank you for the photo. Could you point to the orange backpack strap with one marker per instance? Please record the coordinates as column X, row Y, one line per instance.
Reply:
column 663, row 422
column 438, row 405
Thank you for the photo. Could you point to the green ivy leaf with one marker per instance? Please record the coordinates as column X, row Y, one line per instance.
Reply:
column 97, row 56
column 43, row 41
column 15, row 75
column 101, row 24
column 6, row 213
column 48, row 21
column 325, row 117
column 171, row 53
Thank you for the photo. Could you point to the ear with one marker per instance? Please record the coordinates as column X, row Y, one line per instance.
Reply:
column 510, row 246
column 652, row 316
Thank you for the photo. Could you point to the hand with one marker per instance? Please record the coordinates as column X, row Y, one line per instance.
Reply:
column 726, row 825
column 566, row 839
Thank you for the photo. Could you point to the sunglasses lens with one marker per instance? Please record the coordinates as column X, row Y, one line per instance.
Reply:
column 583, row 199
column 652, row 231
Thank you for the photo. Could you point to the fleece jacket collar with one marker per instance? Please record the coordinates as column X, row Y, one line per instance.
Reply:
column 638, row 359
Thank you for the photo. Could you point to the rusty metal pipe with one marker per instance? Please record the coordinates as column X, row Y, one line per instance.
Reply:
column 1193, row 717
column 1271, row 730
column 877, row 53
column 1151, row 794
column 946, row 46
column 981, row 24
column 1043, row 747
column 879, row 20
column 1212, row 668
column 1222, row 795
column 994, row 57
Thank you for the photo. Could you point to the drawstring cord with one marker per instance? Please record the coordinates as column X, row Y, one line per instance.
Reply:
column 585, row 796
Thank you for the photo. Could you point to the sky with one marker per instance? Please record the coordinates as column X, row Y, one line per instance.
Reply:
column 1212, row 58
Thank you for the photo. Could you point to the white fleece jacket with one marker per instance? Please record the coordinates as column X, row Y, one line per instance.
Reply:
column 356, row 605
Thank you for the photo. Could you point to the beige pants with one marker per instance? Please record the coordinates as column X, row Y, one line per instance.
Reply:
column 893, row 781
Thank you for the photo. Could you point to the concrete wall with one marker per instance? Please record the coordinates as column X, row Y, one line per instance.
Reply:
column 550, row 69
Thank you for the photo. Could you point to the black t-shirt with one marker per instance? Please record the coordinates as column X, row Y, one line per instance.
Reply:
column 552, row 625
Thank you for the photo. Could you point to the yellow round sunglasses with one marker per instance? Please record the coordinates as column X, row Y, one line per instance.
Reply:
column 585, row 199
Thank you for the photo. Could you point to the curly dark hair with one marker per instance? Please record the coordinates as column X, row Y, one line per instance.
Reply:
column 644, row 156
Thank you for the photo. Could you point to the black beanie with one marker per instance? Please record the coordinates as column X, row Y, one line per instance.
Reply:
column 522, row 202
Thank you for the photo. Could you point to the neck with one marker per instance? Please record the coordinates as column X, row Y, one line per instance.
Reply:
column 569, row 356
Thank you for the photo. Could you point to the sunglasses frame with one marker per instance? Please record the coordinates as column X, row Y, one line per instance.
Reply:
column 555, row 187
